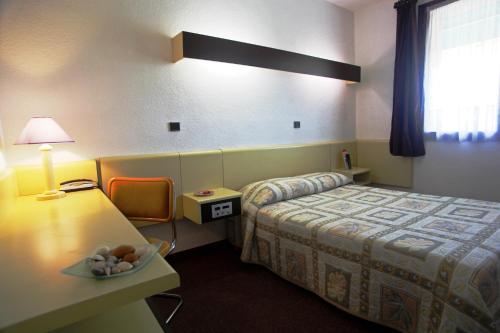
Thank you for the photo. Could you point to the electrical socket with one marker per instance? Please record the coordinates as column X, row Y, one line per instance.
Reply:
column 174, row 126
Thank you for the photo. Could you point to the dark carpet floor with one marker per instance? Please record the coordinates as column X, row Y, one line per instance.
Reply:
column 222, row 294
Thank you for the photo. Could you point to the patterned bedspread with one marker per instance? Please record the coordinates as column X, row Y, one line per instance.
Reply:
column 414, row 262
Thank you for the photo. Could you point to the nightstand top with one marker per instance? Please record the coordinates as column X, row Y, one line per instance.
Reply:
column 221, row 193
column 353, row 171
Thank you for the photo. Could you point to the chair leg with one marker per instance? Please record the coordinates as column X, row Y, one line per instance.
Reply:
column 179, row 299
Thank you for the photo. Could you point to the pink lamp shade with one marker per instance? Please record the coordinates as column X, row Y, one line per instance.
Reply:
column 42, row 130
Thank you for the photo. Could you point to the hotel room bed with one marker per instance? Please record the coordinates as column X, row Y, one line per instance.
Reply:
column 413, row 262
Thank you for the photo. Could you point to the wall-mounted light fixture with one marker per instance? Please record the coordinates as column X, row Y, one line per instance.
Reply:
column 196, row 46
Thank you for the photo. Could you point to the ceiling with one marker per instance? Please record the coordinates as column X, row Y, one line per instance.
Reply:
column 352, row 4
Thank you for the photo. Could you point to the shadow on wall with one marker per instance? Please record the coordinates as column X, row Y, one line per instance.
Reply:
column 134, row 43
column 46, row 39
column 379, row 76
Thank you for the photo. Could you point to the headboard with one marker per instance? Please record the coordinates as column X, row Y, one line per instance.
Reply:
column 190, row 171
column 237, row 167
column 247, row 165
column 152, row 165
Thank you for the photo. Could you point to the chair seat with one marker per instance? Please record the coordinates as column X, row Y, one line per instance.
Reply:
column 164, row 248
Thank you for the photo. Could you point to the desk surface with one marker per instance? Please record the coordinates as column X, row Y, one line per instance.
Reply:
column 39, row 238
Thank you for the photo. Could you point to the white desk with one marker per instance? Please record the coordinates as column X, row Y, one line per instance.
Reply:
column 39, row 238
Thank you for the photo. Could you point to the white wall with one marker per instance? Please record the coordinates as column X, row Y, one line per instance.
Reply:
column 448, row 168
column 459, row 169
column 375, row 42
column 103, row 70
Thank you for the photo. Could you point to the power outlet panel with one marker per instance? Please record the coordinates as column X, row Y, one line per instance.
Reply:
column 222, row 209
column 174, row 126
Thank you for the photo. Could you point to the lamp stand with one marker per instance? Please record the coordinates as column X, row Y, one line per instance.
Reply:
column 48, row 169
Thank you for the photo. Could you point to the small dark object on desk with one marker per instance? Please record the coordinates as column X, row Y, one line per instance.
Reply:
column 77, row 185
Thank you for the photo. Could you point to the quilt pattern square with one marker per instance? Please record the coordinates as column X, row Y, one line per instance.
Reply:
column 480, row 203
column 485, row 280
column 448, row 228
column 428, row 197
column 310, row 199
column 415, row 205
column 387, row 215
column 349, row 228
column 372, row 198
column 296, row 268
column 337, row 285
column 340, row 192
column 387, row 192
column 469, row 213
column 412, row 245
column 399, row 309
column 342, row 207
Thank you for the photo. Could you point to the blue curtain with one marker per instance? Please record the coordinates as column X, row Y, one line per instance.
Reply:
column 407, row 131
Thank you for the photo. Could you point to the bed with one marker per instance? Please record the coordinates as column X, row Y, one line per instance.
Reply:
column 413, row 262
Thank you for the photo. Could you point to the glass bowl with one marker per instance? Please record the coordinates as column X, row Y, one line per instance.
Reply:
column 82, row 268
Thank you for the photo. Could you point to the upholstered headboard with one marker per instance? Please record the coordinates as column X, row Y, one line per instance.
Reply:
column 237, row 167
column 247, row 165
column 190, row 171
column 153, row 165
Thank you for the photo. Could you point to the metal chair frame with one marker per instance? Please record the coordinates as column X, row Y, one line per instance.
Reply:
column 173, row 243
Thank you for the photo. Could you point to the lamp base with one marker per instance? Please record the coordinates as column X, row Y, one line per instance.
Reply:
column 50, row 195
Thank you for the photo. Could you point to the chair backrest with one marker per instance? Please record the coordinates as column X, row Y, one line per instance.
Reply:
column 144, row 199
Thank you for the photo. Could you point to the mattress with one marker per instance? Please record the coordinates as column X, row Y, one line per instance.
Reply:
column 413, row 262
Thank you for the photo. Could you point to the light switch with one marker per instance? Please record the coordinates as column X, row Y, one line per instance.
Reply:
column 174, row 126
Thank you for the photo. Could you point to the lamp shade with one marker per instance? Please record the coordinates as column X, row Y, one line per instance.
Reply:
column 42, row 130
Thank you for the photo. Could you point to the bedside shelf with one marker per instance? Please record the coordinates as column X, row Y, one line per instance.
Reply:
column 224, row 203
column 359, row 176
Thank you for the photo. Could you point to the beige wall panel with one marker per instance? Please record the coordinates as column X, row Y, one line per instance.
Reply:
column 385, row 168
column 201, row 170
column 247, row 165
column 153, row 165
column 8, row 190
column 336, row 153
column 31, row 180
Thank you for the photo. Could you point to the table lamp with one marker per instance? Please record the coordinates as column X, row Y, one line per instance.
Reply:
column 44, row 130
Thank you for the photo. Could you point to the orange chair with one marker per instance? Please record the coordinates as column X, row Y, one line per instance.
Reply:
column 147, row 201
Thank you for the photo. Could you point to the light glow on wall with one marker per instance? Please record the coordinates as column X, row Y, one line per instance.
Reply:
column 220, row 82
column 59, row 155
column 3, row 164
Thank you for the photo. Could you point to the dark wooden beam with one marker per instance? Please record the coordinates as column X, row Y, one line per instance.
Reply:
column 196, row 46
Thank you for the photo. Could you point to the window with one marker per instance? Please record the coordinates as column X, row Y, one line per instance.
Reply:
column 462, row 69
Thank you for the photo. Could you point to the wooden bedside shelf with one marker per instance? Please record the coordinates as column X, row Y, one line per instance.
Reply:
column 359, row 176
column 208, row 209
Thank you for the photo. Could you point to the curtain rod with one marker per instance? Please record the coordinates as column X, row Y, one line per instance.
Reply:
column 400, row 3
